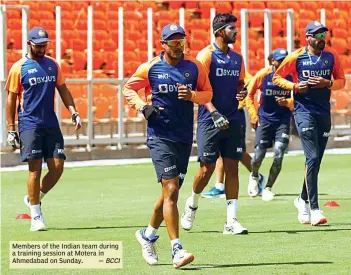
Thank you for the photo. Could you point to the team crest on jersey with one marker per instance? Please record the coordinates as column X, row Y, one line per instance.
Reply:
column 49, row 68
column 187, row 74
column 235, row 62
column 163, row 88
column 326, row 61
column 41, row 33
column 32, row 81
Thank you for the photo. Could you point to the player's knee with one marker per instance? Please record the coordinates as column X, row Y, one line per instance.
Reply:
column 279, row 149
column 277, row 163
column 171, row 191
column 259, row 155
column 57, row 170
column 207, row 170
column 313, row 161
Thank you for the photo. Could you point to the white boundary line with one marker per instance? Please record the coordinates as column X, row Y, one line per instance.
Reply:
column 113, row 162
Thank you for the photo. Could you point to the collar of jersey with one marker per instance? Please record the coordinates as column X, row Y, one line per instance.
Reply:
column 162, row 57
column 215, row 45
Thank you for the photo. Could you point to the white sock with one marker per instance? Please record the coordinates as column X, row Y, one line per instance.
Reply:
column 220, row 186
column 150, row 232
column 193, row 200
column 175, row 241
column 35, row 210
column 232, row 206
column 42, row 195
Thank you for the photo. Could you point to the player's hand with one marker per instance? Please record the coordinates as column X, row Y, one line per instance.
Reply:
column 184, row 93
column 76, row 120
column 301, row 87
column 13, row 139
column 150, row 111
column 318, row 82
column 254, row 123
column 282, row 101
column 219, row 120
column 241, row 94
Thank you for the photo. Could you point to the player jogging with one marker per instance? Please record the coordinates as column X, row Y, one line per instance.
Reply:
column 271, row 122
column 318, row 71
column 175, row 81
column 219, row 126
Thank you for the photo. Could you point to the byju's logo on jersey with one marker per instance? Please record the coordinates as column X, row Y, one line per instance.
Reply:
column 168, row 88
column 270, row 92
column 224, row 72
column 37, row 80
column 309, row 73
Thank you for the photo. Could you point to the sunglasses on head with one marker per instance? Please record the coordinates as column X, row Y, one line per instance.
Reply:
column 175, row 42
column 321, row 35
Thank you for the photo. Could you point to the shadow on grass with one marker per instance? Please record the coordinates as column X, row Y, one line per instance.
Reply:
column 205, row 266
column 295, row 195
column 322, row 228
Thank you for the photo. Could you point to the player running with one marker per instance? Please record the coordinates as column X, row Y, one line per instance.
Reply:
column 272, row 123
column 318, row 71
column 175, row 81
column 219, row 128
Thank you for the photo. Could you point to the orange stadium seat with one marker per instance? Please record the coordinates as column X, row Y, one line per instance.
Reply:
column 79, row 5
column 48, row 24
column 132, row 15
column 177, row 4
column 77, row 44
column 97, row 45
column 296, row 6
column 238, row 5
column 109, row 45
column 308, row 14
column 312, row 6
column 100, row 25
column 191, row 4
column 223, row 7
column 14, row 24
column 340, row 33
column 49, row 15
column 65, row 67
column 81, row 24
column 13, row 14
column 99, row 15
column 340, row 45
column 46, row 6
column 68, row 15
column 197, row 45
column 275, row 5
column 141, row 44
column 33, row 23
column 200, row 34
column 199, row 24
column 129, row 45
column 134, row 35
column 279, row 42
column 113, row 25
column 328, row 5
column 99, row 6
column 166, row 15
column 33, row 6
column 16, row 36
column 256, row 19
column 65, row 5
column 101, row 35
column 112, row 15
column 257, row 5
column 66, row 24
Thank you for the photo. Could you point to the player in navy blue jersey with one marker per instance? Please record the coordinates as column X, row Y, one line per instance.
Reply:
column 317, row 70
column 174, row 82
column 219, row 130
column 271, row 122
column 32, row 80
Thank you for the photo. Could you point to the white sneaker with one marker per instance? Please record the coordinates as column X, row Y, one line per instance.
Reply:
column 38, row 224
column 252, row 188
column 267, row 195
column 317, row 217
column 303, row 209
column 148, row 247
column 181, row 257
column 234, row 228
column 188, row 217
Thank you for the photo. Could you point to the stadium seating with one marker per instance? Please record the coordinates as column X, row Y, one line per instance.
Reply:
column 74, row 34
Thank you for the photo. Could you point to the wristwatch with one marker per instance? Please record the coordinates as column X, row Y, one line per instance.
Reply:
column 330, row 83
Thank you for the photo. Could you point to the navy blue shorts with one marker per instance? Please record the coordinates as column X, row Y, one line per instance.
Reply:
column 266, row 134
column 212, row 142
column 42, row 143
column 170, row 158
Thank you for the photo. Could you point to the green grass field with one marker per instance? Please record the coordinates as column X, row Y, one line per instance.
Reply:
column 111, row 203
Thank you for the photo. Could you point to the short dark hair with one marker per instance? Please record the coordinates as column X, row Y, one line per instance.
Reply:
column 222, row 19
